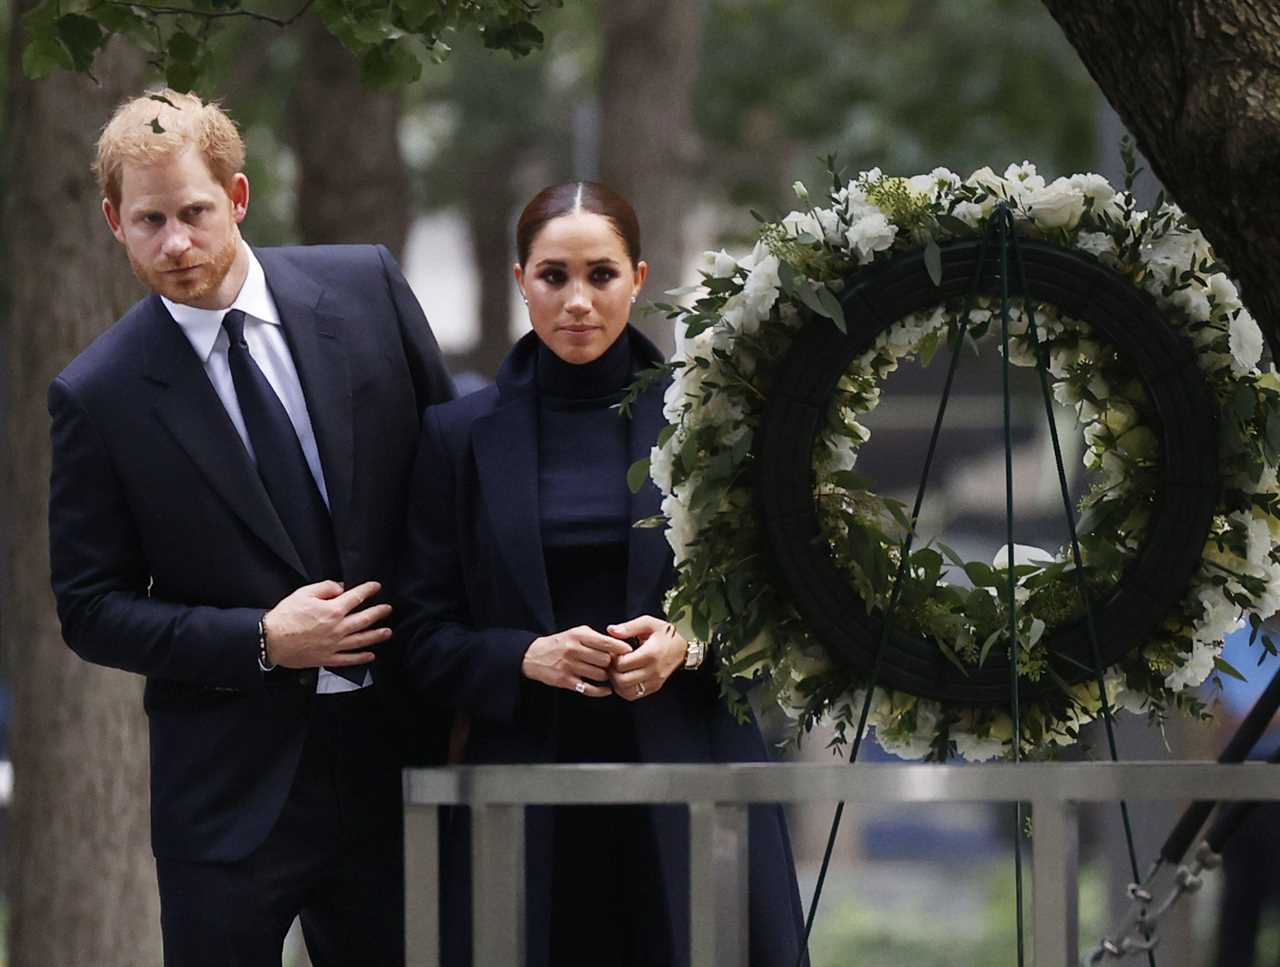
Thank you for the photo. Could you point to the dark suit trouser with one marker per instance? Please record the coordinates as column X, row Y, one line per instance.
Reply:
column 334, row 858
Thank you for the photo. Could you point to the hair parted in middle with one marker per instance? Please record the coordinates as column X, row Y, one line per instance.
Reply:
column 570, row 197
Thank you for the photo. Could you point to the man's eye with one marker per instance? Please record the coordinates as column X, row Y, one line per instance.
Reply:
column 155, row 218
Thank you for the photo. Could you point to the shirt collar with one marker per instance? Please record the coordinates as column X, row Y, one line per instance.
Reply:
column 203, row 326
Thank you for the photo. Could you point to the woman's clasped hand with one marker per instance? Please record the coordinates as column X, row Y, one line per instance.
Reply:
column 597, row 665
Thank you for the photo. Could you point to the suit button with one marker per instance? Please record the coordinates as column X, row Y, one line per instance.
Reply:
column 303, row 678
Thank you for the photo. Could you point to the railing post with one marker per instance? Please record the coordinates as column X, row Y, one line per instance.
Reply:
column 422, row 886
column 497, row 885
column 718, row 884
column 1055, row 849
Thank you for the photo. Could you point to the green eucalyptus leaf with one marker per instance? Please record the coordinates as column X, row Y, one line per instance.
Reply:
column 637, row 474
column 832, row 308
column 933, row 262
column 1224, row 666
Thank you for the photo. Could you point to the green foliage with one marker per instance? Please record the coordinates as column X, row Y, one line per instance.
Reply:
column 391, row 40
column 897, row 84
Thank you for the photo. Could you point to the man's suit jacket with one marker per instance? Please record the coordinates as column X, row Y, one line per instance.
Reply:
column 166, row 550
column 473, row 595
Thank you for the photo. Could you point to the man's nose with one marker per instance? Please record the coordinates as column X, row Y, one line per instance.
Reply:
column 176, row 242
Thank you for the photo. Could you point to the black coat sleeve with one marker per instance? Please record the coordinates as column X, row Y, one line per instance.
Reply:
column 101, row 579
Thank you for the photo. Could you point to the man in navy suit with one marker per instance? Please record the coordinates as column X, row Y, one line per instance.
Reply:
column 230, row 468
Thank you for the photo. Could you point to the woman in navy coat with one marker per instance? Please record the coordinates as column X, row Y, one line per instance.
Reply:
column 532, row 607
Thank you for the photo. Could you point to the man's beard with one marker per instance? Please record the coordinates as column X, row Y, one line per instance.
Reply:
column 190, row 287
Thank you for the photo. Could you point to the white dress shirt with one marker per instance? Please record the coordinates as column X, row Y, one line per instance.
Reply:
column 270, row 350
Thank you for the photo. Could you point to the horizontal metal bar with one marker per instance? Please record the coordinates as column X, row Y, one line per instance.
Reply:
column 862, row 782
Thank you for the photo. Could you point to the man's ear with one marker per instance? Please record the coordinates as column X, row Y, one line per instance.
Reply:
column 238, row 192
column 113, row 219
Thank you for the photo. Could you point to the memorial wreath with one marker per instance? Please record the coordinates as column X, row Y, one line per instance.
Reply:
column 750, row 312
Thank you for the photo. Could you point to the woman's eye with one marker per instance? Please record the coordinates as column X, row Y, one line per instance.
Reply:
column 602, row 276
column 552, row 276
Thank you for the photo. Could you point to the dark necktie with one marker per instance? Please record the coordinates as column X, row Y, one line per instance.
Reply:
column 283, row 467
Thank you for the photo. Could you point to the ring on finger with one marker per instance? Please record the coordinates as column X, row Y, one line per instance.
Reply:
column 581, row 687
column 640, row 690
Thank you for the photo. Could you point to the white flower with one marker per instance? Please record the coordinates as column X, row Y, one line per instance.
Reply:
column 680, row 526
column 1225, row 295
column 1058, row 205
column 1095, row 187
column 1246, row 343
column 720, row 264
column 990, row 182
column 822, row 224
column 1022, row 554
column 974, row 749
column 969, row 213
column 1099, row 244
column 801, row 191
column 662, row 463
column 870, row 234
column 761, row 289
column 1024, row 175
column 1193, row 299
column 1197, row 668
column 1177, row 250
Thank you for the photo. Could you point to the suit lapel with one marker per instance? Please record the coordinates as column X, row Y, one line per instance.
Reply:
column 506, row 450
column 320, row 356
column 647, row 550
column 193, row 414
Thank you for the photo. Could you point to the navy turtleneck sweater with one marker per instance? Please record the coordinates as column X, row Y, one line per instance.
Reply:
column 583, row 501
column 608, row 904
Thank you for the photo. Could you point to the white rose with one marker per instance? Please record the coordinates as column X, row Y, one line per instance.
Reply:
column 1246, row 343
column 720, row 264
column 1058, row 205
column 869, row 235
column 1177, row 250
column 1095, row 187
column 989, row 181
column 1022, row 554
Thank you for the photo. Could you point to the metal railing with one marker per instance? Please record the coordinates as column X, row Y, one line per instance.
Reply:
column 718, row 796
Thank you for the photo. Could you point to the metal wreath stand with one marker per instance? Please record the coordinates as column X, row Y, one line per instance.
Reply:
column 1001, row 265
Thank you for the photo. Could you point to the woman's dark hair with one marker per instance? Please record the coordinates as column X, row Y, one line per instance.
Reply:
column 578, row 196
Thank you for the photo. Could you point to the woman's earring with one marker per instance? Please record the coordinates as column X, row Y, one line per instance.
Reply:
column 524, row 298
column 633, row 300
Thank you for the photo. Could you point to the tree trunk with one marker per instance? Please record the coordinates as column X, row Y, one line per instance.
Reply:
column 82, row 888
column 489, row 203
column 648, row 143
column 353, row 185
column 1198, row 85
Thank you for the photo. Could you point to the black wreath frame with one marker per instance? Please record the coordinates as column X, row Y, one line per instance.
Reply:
column 874, row 299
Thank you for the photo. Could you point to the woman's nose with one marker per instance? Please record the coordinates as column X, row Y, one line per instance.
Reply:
column 578, row 304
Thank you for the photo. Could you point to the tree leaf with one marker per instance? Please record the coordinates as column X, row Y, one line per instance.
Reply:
column 82, row 36
column 388, row 64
